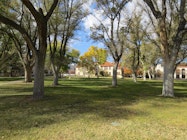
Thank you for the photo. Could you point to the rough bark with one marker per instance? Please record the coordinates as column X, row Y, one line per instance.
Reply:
column 38, row 90
column 114, row 76
column 149, row 74
column 55, row 80
column 55, row 75
column 144, row 75
column 28, row 73
column 134, row 77
column 168, row 79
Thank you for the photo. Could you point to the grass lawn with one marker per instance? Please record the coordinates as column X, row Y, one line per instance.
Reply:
column 90, row 109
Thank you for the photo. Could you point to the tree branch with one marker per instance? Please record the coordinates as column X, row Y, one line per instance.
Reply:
column 156, row 13
column 49, row 13
column 25, row 35
column 31, row 8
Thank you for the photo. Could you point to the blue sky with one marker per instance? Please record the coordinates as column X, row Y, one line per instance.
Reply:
column 83, row 42
column 82, row 39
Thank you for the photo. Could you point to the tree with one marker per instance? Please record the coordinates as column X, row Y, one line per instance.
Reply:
column 136, row 36
column 25, row 20
column 41, row 19
column 9, row 58
column 23, row 51
column 71, row 58
column 87, row 64
column 93, row 58
column 62, row 26
column 109, row 30
column 7, row 52
column 62, row 64
column 131, row 58
column 148, row 58
column 168, row 18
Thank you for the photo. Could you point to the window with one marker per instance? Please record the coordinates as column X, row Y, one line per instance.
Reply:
column 177, row 73
column 183, row 73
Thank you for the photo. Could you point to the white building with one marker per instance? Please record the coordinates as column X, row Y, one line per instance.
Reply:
column 81, row 71
column 107, row 68
column 180, row 72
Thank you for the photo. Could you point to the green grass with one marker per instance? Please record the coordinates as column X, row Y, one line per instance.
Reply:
column 90, row 109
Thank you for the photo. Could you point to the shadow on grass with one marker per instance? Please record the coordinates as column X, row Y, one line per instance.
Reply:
column 74, row 99
column 10, row 78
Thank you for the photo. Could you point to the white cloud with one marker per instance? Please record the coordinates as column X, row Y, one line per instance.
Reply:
column 96, row 15
column 89, row 21
column 94, row 19
column 87, row 5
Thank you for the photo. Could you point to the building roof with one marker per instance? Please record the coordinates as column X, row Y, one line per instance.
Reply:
column 107, row 64
column 181, row 66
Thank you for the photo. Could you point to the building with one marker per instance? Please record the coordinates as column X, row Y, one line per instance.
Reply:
column 105, row 69
column 180, row 72
column 81, row 71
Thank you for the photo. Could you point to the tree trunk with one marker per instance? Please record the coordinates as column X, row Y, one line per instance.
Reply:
column 28, row 73
column 144, row 75
column 97, row 70
column 38, row 90
column 153, row 72
column 168, row 79
column 55, row 79
column 134, row 75
column 122, row 73
column 114, row 76
column 149, row 74
column 55, row 75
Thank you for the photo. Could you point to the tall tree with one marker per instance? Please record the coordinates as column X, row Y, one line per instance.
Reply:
column 62, row 26
column 7, row 51
column 109, row 30
column 23, row 51
column 87, row 64
column 168, row 17
column 70, row 59
column 131, row 59
column 149, row 54
column 93, row 58
column 26, row 20
column 41, row 19
column 135, row 34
